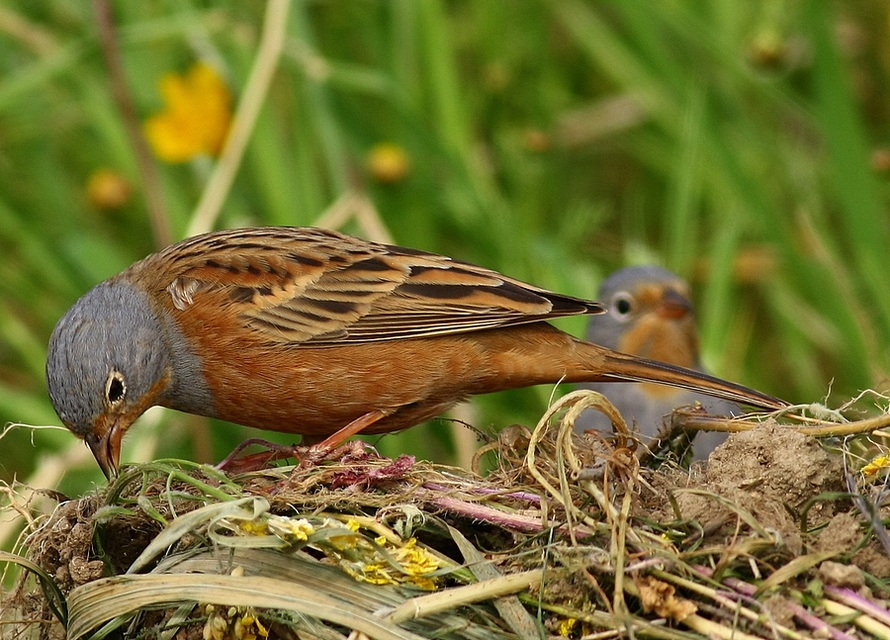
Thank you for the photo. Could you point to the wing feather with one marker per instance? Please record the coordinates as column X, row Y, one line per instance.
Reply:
column 313, row 287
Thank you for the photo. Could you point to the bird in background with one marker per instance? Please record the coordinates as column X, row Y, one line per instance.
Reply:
column 313, row 332
column 649, row 314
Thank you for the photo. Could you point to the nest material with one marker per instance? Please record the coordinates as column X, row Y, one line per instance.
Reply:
column 568, row 537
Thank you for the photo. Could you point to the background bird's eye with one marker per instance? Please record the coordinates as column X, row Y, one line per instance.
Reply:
column 115, row 389
column 622, row 304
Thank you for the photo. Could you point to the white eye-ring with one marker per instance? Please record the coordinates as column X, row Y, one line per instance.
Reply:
column 115, row 387
column 622, row 305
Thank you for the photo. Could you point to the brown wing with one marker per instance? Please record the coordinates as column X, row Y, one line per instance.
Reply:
column 317, row 287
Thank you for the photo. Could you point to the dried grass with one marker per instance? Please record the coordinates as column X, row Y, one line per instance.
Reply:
column 569, row 536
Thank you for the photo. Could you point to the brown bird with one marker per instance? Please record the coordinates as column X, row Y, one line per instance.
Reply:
column 650, row 314
column 313, row 332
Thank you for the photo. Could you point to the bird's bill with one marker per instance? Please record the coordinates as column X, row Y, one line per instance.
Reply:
column 630, row 368
column 107, row 449
column 673, row 305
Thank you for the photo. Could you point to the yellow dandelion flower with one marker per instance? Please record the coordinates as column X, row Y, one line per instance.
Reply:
column 196, row 116
column 403, row 564
column 249, row 627
column 233, row 623
column 872, row 468
column 253, row 527
column 566, row 627
column 108, row 189
column 388, row 162
column 291, row 529
column 417, row 565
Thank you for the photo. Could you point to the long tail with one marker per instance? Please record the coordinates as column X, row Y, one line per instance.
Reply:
column 628, row 368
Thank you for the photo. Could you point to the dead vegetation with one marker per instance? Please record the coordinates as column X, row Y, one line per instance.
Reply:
column 780, row 537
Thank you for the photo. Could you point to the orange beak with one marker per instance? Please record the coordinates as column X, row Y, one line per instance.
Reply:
column 673, row 305
column 107, row 449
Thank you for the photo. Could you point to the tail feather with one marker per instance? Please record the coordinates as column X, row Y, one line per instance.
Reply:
column 628, row 368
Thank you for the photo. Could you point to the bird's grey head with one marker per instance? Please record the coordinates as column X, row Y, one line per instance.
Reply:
column 625, row 295
column 106, row 357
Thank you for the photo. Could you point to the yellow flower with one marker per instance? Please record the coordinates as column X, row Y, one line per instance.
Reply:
column 291, row 529
column 196, row 116
column 566, row 627
column 234, row 622
column 388, row 162
column 872, row 468
column 254, row 527
column 108, row 189
column 391, row 564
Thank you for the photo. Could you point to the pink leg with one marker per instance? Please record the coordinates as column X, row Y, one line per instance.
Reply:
column 356, row 426
column 316, row 451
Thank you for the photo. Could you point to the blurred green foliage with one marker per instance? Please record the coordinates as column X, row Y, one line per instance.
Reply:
column 742, row 144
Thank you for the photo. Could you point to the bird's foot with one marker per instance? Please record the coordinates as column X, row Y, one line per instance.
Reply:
column 236, row 463
column 352, row 451
column 334, row 447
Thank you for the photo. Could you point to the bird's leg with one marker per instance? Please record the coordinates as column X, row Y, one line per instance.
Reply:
column 356, row 426
column 253, row 462
column 308, row 451
column 333, row 446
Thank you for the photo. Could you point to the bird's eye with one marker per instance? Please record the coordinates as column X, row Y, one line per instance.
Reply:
column 622, row 305
column 115, row 389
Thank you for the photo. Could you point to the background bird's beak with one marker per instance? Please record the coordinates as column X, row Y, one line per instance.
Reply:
column 106, row 449
column 673, row 305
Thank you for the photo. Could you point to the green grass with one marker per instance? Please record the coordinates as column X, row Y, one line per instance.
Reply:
column 745, row 165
